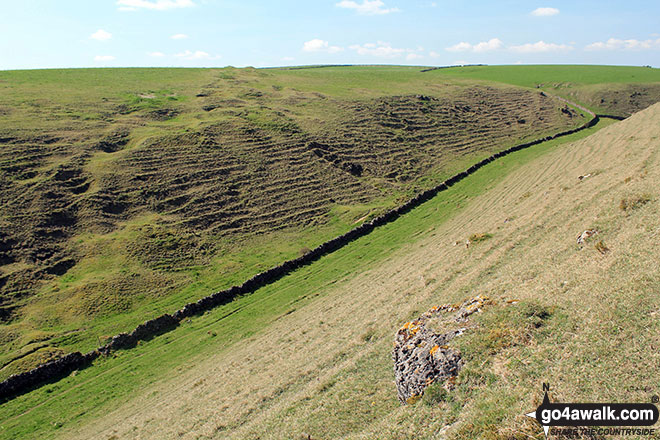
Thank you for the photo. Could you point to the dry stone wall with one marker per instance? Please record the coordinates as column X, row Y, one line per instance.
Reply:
column 51, row 371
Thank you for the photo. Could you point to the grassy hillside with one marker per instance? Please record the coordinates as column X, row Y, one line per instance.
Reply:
column 616, row 90
column 532, row 76
column 126, row 193
column 310, row 354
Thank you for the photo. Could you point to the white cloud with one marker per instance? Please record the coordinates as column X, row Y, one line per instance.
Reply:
column 196, row 55
column 367, row 7
column 317, row 45
column 102, row 58
column 434, row 54
column 545, row 12
column 158, row 5
column 540, row 46
column 156, row 54
column 385, row 50
column 460, row 63
column 484, row 46
column 496, row 44
column 288, row 59
column 380, row 49
column 463, row 46
column 632, row 44
column 179, row 36
column 314, row 45
column 101, row 35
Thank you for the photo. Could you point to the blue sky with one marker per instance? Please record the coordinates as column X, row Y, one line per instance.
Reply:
column 100, row 33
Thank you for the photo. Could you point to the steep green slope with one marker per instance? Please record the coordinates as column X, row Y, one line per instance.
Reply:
column 615, row 90
column 273, row 313
column 126, row 193
column 580, row 317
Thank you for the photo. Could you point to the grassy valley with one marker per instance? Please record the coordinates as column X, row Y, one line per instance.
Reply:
column 129, row 192
column 613, row 90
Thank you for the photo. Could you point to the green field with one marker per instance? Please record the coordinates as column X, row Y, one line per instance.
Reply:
column 98, row 389
column 532, row 76
column 130, row 192
column 616, row 90
column 155, row 187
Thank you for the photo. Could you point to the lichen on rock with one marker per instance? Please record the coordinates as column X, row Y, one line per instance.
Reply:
column 422, row 354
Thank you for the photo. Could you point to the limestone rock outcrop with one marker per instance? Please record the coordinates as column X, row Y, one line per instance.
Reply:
column 422, row 354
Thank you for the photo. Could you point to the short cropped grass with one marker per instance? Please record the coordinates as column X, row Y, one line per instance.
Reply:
column 533, row 76
column 161, row 186
column 94, row 391
column 613, row 90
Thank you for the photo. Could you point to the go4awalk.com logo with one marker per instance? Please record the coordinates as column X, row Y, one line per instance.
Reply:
column 576, row 420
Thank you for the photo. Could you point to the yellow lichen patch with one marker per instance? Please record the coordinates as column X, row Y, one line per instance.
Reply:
column 410, row 329
column 413, row 399
column 476, row 303
column 435, row 310
column 434, row 349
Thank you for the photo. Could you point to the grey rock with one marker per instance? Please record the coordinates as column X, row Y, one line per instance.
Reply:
column 422, row 355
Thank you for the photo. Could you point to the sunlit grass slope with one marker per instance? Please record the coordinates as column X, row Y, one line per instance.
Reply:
column 616, row 90
column 310, row 353
column 126, row 193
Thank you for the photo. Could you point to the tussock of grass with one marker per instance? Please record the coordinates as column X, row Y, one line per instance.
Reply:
column 368, row 335
column 505, row 326
column 480, row 236
column 631, row 203
column 602, row 247
column 435, row 394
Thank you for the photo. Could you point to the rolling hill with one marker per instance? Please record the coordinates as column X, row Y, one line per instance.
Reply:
column 127, row 193
column 310, row 353
column 322, row 367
